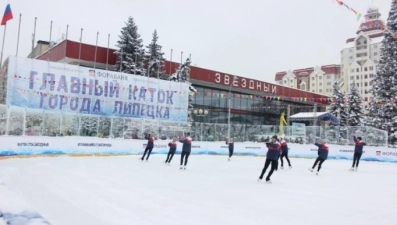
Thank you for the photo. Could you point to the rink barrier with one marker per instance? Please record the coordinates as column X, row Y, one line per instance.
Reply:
column 28, row 146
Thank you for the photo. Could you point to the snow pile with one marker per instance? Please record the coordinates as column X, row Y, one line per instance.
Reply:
column 14, row 211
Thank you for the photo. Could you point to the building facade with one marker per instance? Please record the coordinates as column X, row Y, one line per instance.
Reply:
column 360, row 58
column 317, row 79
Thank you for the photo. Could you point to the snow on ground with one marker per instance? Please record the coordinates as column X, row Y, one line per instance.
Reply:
column 122, row 190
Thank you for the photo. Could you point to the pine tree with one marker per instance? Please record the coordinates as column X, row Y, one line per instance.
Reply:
column 355, row 115
column 182, row 74
column 338, row 107
column 383, row 110
column 130, row 54
column 154, row 58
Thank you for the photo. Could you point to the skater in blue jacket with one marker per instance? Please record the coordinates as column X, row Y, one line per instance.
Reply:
column 272, row 156
column 230, row 144
column 172, row 150
column 186, row 149
column 322, row 156
column 358, row 151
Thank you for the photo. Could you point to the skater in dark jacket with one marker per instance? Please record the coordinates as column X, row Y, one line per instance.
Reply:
column 284, row 153
column 322, row 156
column 272, row 156
column 186, row 149
column 230, row 144
column 172, row 150
column 358, row 151
column 149, row 146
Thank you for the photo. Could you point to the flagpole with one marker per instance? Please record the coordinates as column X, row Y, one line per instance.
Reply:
column 81, row 39
column 171, row 63
column 107, row 52
column 96, row 48
column 49, row 44
column 181, row 57
column 34, row 33
column 2, row 47
column 19, row 32
column 67, row 30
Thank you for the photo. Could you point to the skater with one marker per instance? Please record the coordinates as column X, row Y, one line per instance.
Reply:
column 284, row 153
column 322, row 156
column 272, row 156
column 186, row 149
column 230, row 143
column 149, row 147
column 358, row 151
column 172, row 150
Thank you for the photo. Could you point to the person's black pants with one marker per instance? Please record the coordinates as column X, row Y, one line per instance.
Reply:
column 149, row 150
column 286, row 157
column 186, row 156
column 230, row 152
column 356, row 159
column 319, row 165
column 267, row 164
column 169, row 156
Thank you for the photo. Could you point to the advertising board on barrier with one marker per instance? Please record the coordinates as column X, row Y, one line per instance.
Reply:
column 22, row 145
column 67, row 88
column 298, row 129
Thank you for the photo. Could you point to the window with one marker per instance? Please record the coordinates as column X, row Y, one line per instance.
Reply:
column 350, row 57
column 312, row 84
column 371, row 68
column 350, row 50
column 375, row 46
column 365, row 76
column 320, row 77
column 320, row 90
column 292, row 81
column 366, row 84
column 312, row 90
column 285, row 81
column 365, row 69
column 352, row 70
column 312, row 78
column 371, row 75
column 375, row 53
column 366, row 99
column 358, row 77
column 358, row 84
column 371, row 82
column 328, row 77
column 357, row 70
column 351, row 77
column 375, row 61
column 320, row 84
column 329, row 83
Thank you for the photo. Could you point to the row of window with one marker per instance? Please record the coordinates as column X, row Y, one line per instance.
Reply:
column 365, row 76
column 352, row 70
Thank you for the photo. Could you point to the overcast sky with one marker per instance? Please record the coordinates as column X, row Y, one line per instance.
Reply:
column 251, row 38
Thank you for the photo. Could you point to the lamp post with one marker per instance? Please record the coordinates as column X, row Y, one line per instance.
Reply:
column 200, row 113
column 235, row 78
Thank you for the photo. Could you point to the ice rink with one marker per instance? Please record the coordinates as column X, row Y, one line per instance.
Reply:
column 122, row 190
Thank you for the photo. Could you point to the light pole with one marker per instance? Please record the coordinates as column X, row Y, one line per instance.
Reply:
column 229, row 106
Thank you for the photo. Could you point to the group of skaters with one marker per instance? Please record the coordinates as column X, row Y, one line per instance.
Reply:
column 186, row 149
column 277, row 150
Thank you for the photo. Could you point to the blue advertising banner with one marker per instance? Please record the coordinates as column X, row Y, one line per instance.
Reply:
column 67, row 88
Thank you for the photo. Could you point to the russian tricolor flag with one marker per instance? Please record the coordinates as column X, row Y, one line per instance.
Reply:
column 7, row 15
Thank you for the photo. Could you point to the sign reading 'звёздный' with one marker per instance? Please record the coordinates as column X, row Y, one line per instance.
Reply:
column 72, row 89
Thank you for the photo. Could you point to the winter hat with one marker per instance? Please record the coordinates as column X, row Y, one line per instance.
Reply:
column 359, row 138
column 275, row 137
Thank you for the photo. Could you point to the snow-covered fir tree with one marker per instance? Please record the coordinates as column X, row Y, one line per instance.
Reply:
column 338, row 107
column 154, row 58
column 383, row 110
column 130, row 55
column 182, row 74
column 355, row 115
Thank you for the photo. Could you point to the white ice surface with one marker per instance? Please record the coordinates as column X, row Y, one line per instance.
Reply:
column 122, row 190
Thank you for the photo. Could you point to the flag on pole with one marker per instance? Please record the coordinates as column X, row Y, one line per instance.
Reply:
column 7, row 15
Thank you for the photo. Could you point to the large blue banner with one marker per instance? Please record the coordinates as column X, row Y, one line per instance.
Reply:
column 67, row 88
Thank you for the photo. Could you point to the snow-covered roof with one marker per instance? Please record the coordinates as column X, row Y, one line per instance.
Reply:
column 309, row 116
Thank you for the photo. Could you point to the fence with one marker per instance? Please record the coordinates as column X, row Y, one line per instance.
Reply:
column 19, row 121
